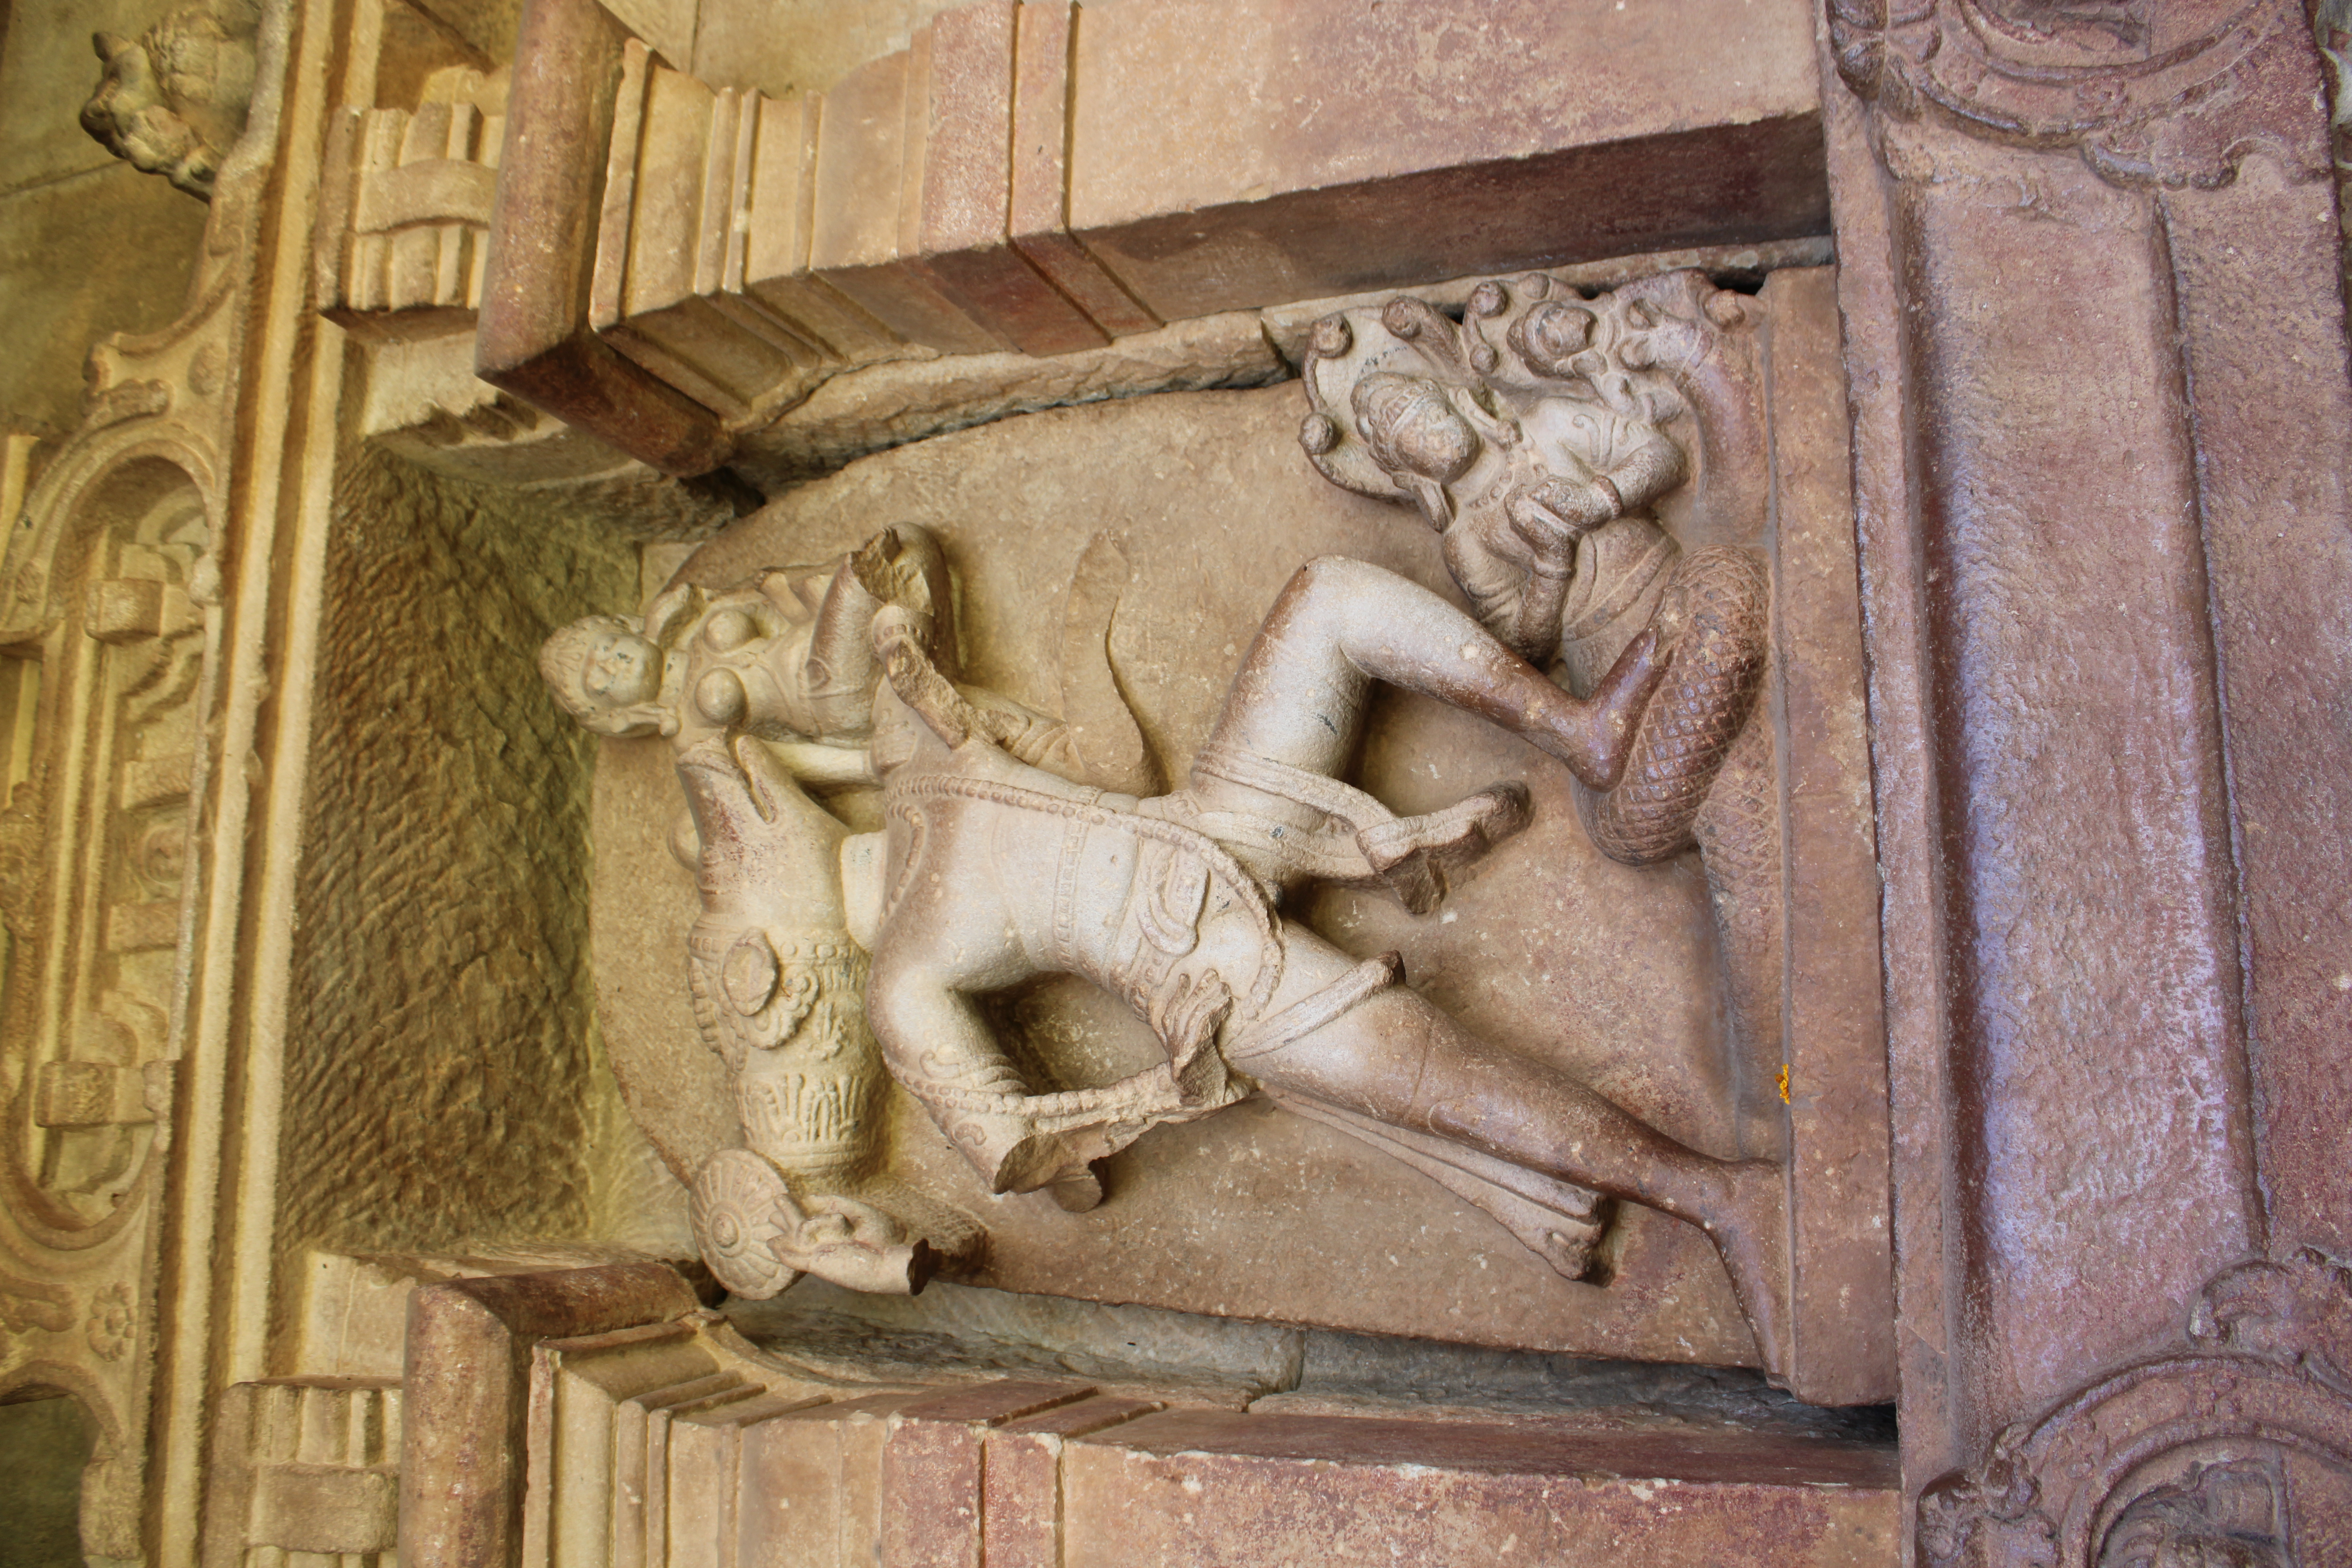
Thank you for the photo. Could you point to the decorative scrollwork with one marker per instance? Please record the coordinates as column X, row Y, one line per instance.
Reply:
column 2213, row 1456
column 2176, row 98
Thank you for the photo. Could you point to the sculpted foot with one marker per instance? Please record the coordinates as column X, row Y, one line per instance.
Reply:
column 1416, row 854
column 1595, row 736
column 1753, row 1238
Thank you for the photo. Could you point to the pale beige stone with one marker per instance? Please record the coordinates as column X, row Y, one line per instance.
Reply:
column 789, row 44
column 150, row 235
column 304, row 1465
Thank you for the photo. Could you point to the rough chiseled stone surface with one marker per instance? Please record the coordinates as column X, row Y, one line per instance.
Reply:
column 442, row 1078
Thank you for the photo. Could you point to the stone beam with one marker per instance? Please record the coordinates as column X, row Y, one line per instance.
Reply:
column 1040, row 178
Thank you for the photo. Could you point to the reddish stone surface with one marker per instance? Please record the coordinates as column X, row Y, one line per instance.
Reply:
column 931, row 1468
column 863, row 160
column 1841, row 1279
column 1020, row 1490
column 811, row 1483
column 466, row 1394
column 2094, row 547
column 960, row 198
column 1318, row 148
column 533, row 337
column 2262, row 321
column 1095, row 1479
column 1215, row 1489
column 1039, row 219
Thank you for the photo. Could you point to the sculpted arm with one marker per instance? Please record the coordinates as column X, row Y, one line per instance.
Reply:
column 1654, row 467
column 817, row 763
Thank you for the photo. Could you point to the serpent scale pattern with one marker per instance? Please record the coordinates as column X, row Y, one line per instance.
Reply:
column 1689, row 727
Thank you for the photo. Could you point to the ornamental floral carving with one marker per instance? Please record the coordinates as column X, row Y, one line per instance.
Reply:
column 2173, row 94
column 110, row 1321
column 2228, row 1454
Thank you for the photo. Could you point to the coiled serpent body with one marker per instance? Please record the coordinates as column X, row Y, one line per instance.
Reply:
column 1692, row 726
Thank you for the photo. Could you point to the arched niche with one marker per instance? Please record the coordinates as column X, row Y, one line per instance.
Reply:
column 46, row 1439
column 102, row 657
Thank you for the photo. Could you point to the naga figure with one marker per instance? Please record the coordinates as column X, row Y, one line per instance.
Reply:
column 990, row 871
column 1537, row 436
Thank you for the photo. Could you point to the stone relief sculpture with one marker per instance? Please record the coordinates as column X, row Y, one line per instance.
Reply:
column 995, row 865
column 172, row 101
column 903, row 876
column 777, row 983
column 786, row 664
column 992, row 871
column 1536, row 436
column 1172, row 903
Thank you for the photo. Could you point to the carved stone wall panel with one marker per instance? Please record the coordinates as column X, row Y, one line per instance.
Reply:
column 303, row 1465
column 406, row 221
column 1205, row 1222
column 110, row 637
column 1181, row 506
column 101, row 822
column 2237, row 1446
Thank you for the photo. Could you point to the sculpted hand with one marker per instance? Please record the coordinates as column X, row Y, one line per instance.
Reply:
column 1552, row 515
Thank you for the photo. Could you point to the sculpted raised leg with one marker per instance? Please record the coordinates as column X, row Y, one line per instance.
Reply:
column 1341, row 625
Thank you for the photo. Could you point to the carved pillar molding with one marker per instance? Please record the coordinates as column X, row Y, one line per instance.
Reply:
column 159, row 606
column 595, row 1416
column 115, row 1163
column 470, row 1408
column 2096, row 343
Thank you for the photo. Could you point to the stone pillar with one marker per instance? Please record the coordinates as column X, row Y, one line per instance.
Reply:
column 2096, row 346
